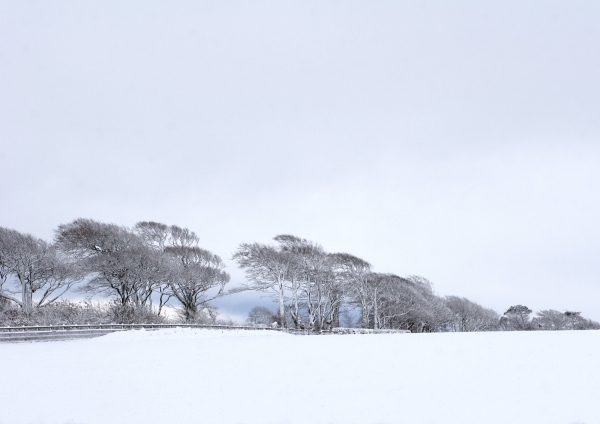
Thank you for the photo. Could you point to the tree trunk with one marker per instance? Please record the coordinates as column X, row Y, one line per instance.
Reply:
column 336, row 317
column 364, row 315
column 375, row 317
column 25, row 295
column 281, row 306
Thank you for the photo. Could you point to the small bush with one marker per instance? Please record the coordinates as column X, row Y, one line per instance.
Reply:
column 131, row 314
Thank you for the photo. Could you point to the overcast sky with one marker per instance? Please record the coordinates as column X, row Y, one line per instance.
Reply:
column 459, row 141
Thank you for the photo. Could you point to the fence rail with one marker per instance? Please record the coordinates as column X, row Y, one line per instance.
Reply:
column 65, row 332
column 68, row 327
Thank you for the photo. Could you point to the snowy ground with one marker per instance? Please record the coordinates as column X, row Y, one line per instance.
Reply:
column 210, row 376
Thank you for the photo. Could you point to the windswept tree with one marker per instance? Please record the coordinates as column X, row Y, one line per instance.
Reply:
column 192, row 275
column 469, row 316
column 311, row 282
column 157, row 236
column 196, row 278
column 113, row 256
column 266, row 268
column 8, row 245
column 36, row 267
column 356, row 272
column 517, row 318
column 410, row 303
column 551, row 320
column 394, row 302
column 378, row 284
column 259, row 315
column 403, row 303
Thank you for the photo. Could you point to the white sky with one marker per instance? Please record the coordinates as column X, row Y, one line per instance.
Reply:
column 458, row 141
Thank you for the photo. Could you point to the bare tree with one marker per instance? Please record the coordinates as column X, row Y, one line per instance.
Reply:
column 312, row 272
column 411, row 304
column 517, row 318
column 193, row 273
column 551, row 320
column 433, row 314
column 259, row 315
column 156, row 235
column 470, row 316
column 185, row 272
column 8, row 244
column 37, row 266
column 112, row 255
column 397, row 301
column 356, row 273
column 266, row 268
column 377, row 284
column 314, row 283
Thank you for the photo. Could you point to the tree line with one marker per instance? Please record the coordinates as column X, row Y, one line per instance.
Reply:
column 143, row 268
column 318, row 290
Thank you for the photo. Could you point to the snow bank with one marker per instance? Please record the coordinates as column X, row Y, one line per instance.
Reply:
column 241, row 376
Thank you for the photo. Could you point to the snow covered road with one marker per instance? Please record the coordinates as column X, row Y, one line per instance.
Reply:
column 211, row 376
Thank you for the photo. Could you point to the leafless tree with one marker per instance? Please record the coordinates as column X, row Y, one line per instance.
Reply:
column 469, row 316
column 397, row 299
column 192, row 275
column 266, row 268
column 378, row 283
column 433, row 314
column 312, row 273
column 410, row 303
column 315, row 283
column 195, row 273
column 8, row 244
column 551, row 320
column 157, row 235
column 356, row 273
column 37, row 267
column 259, row 315
column 517, row 318
column 113, row 256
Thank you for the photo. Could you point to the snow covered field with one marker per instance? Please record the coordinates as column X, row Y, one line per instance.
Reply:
column 212, row 376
